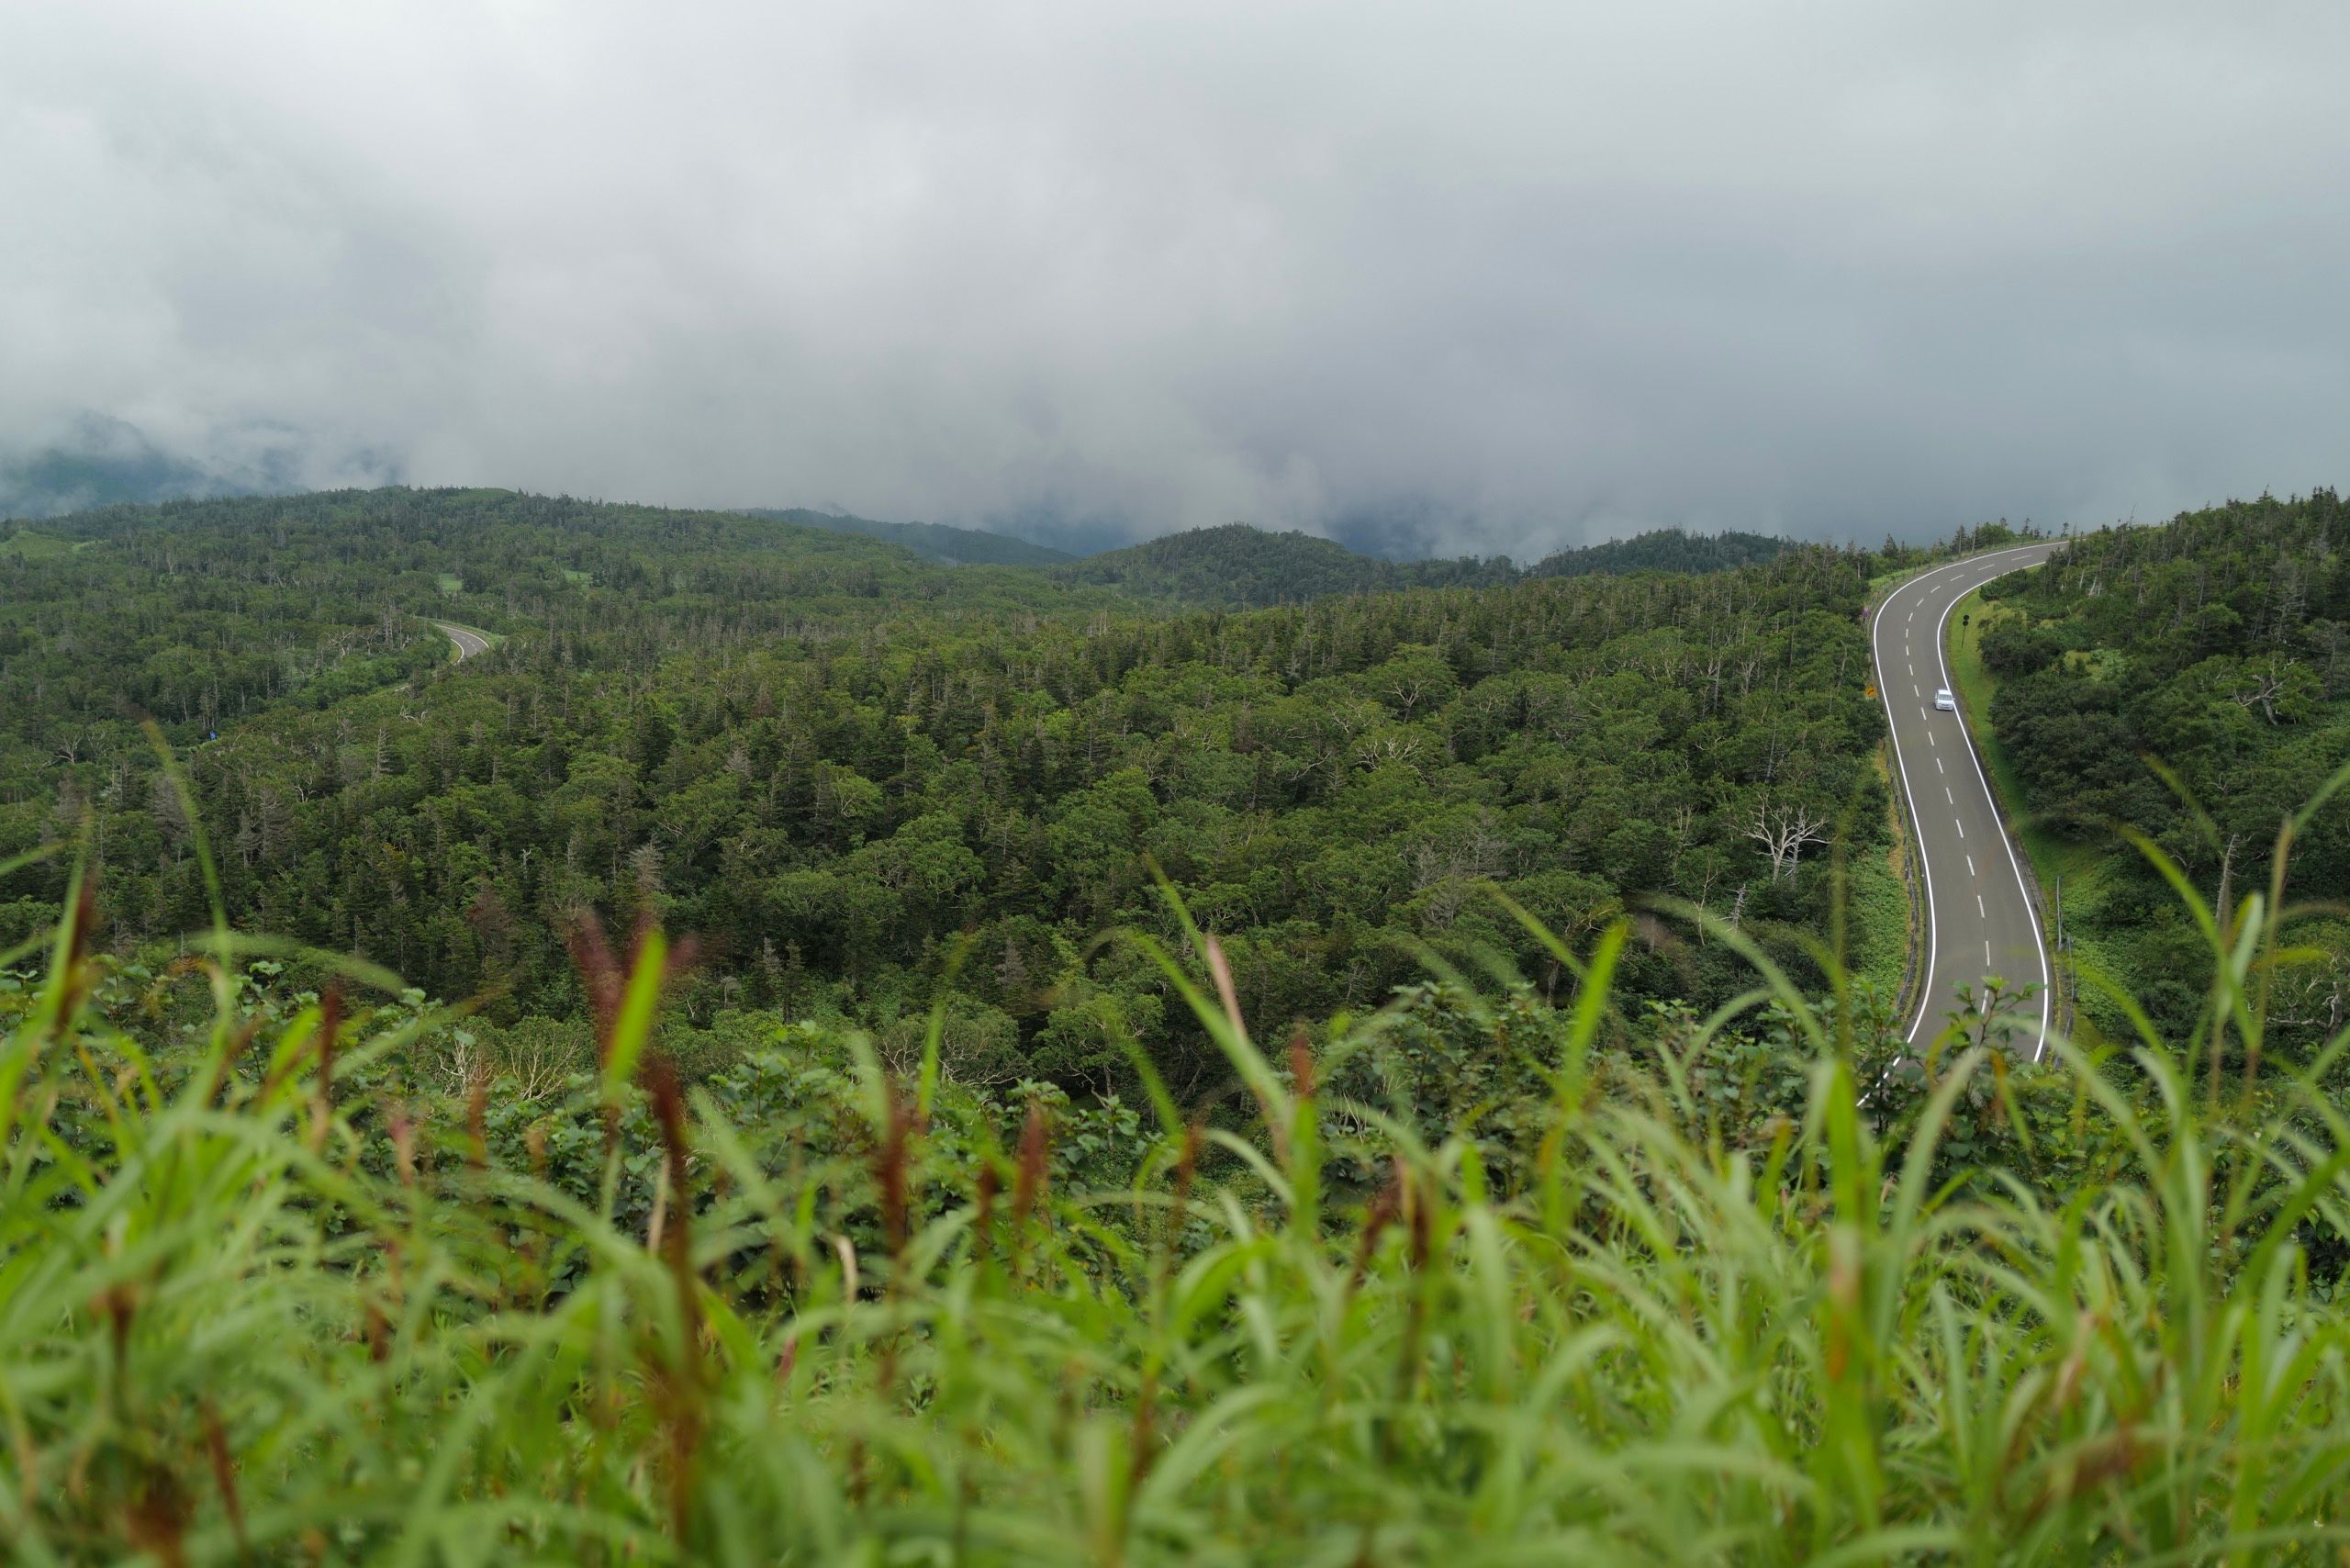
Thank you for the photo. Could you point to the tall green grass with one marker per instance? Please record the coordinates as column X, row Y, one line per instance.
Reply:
column 257, row 1305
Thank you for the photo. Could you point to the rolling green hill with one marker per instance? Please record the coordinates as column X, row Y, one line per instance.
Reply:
column 1663, row 550
column 836, row 761
column 931, row 540
column 1238, row 565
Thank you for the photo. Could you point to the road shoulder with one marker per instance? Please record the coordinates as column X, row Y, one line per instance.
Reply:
column 2051, row 864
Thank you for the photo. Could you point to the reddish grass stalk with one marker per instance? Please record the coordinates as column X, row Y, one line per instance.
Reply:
column 983, row 1222
column 1144, row 1440
column 402, row 1130
column 1187, row 1170
column 322, row 1093
column 1419, row 1230
column 683, row 1384
column 891, row 1159
column 478, row 1117
column 224, row 1473
column 158, row 1520
column 600, row 978
column 75, row 978
column 1383, row 1210
column 1029, row 1183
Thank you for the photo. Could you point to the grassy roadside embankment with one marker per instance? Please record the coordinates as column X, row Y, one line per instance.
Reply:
column 2072, row 873
column 1879, row 921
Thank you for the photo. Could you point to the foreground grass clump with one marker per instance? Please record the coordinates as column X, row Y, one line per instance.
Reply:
column 258, row 1306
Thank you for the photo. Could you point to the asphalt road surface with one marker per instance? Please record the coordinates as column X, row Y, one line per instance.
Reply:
column 468, row 642
column 1979, row 917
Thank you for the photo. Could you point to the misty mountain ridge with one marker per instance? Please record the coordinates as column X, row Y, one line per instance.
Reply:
column 1663, row 549
column 1240, row 564
column 931, row 540
column 97, row 460
column 1237, row 563
column 101, row 462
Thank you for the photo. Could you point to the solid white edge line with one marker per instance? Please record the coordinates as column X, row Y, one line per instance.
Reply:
column 1893, row 734
column 1925, row 865
column 1942, row 654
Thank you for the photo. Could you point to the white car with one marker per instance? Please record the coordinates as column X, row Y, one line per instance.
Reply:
column 1944, row 700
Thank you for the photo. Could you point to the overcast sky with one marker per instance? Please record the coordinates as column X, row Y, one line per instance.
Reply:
column 1473, row 278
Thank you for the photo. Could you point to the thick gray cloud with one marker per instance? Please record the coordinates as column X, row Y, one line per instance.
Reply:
column 1482, row 277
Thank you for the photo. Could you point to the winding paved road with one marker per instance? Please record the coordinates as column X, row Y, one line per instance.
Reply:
column 468, row 642
column 1979, row 915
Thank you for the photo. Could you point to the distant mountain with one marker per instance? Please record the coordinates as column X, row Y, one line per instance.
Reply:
column 1663, row 549
column 102, row 463
column 1242, row 566
column 94, row 460
column 931, row 540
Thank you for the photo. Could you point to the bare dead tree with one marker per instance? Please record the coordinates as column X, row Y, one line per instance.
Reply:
column 1783, row 830
column 2268, row 686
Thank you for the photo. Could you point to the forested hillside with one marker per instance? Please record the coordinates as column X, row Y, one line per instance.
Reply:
column 2216, row 647
column 931, row 540
column 948, row 1188
column 852, row 774
column 208, row 611
column 1238, row 565
column 1663, row 550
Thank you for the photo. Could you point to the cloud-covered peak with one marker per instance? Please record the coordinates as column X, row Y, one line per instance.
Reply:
column 1502, row 279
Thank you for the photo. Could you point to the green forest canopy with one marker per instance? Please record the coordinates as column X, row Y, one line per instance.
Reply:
column 852, row 772
column 982, row 1317
column 2217, row 646
column 931, row 540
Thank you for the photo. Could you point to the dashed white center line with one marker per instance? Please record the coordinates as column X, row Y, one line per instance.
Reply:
column 1948, row 796
column 1938, row 765
column 1969, row 864
column 1960, row 825
column 1987, row 952
column 1913, row 690
column 1931, row 741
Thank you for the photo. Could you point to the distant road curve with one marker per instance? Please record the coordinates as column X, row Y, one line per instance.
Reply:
column 468, row 642
column 1980, row 919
